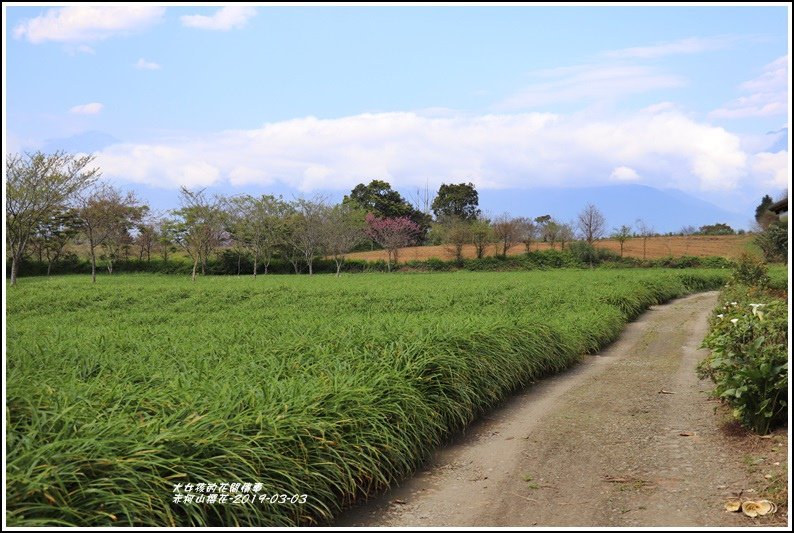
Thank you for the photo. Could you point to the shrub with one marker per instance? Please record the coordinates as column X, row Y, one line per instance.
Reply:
column 749, row 361
column 550, row 259
column 773, row 242
column 434, row 263
column 583, row 252
column 713, row 261
column 750, row 271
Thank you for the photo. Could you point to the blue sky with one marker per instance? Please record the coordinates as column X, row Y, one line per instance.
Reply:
column 303, row 100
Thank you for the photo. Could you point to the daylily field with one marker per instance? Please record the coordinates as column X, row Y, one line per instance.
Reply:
column 320, row 389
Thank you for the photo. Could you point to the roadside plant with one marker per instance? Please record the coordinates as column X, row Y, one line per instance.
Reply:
column 750, row 271
column 749, row 362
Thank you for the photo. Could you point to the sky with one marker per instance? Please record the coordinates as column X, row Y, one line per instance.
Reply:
column 305, row 100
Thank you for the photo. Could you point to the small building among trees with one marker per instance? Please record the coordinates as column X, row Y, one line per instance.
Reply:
column 780, row 208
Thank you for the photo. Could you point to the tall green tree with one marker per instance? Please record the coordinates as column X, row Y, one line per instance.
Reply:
column 456, row 200
column 379, row 199
column 382, row 201
column 763, row 216
column 763, row 207
column 37, row 185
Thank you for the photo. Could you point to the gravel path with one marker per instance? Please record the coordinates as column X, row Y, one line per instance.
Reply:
column 599, row 445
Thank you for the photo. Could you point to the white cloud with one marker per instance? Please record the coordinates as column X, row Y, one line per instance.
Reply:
column 158, row 165
column 87, row 109
column 589, row 83
column 663, row 146
column 226, row 18
column 690, row 45
column 624, row 174
column 80, row 24
column 142, row 64
column 775, row 168
column 768, row 94
column 242, row 175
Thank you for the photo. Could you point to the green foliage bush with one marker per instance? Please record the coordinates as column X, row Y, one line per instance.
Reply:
column 583, row 252
column 750, row 271
column 749, row 358
column 773, row 242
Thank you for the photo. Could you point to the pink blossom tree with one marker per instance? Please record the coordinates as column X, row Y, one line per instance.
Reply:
column 392, row 233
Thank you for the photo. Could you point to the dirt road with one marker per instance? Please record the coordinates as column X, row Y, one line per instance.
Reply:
column 600, row 445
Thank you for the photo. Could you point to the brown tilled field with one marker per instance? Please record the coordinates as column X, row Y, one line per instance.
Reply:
column 699, row 245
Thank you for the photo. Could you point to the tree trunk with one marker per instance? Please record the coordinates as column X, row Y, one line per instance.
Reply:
column 110, row 266
column 195, row 266
column 238, row 262
column 14, row 266
column 203, row 265
column 93, row 266
column 256, row 261
column 49, row 267
column 309, row 262
column 338, row 267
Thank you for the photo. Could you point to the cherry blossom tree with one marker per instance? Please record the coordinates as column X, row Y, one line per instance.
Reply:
column 392, row 233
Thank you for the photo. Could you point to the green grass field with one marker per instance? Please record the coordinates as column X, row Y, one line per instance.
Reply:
column 330, row 387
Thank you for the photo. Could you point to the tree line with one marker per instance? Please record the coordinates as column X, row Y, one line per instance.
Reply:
column 57, row 199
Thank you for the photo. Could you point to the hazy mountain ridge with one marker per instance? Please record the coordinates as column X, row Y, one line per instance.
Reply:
column 665, row 210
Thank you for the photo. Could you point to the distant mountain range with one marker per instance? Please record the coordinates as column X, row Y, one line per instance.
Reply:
column 664, row 210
